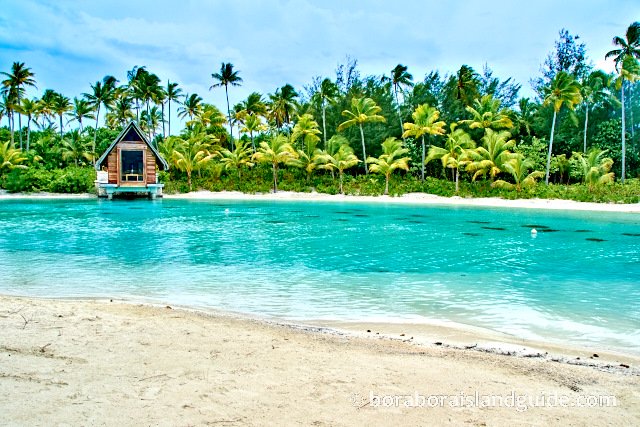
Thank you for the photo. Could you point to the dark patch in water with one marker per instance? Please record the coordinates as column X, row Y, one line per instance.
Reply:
column 272, row 221
column 543, row 227
column 595, row 239
column 494, row 228
column 583, row 231
column 361, row 215
column 341, row 220
column 631, row 234
column 415, row 221
column 479, row 222
column 312, row 216
column 471, row 234
column 548, row 230
column 343, row 212
column 418, row 216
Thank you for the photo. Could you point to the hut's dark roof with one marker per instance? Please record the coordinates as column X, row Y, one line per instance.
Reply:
column 132, row 132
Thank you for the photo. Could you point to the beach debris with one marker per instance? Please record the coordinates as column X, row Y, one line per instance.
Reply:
column 595, row 355
column 401, row 335
column 534, row 232
column 438, row 343
column 624, row 365
column 368, row 330
column 169, row 307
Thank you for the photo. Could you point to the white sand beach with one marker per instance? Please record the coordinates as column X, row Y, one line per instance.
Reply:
column 88, row 362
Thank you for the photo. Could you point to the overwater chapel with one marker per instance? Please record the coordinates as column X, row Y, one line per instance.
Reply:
column 130, row 165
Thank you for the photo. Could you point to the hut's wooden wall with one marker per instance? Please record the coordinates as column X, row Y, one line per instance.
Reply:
column 112, row 166
column 151, row 167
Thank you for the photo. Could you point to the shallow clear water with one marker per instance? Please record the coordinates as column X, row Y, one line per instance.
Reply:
column 578, row 281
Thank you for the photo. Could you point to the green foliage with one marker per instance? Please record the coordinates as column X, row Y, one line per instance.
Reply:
column 69, row 180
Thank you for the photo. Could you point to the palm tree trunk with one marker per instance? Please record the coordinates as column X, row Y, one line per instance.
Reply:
column 95, row 135
column 422, row 166
column 253, row 145
column 386, row 184
column 395, row 90
column 226, row 91
column 169, row 121
column 586, row 121
column 11, row 127
column 341, row 191
column 553, row 128
column 164, row 135
column 364, row 151
column 28, row 131
column 275, row 178
column 60, row 127
column 19, row 122
column 457, row 179
column 189, row 179
column 624, row 148
column 324, row 123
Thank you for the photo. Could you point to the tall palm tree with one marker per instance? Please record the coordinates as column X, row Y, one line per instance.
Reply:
column 400, row 79
column 174, row 93
column 252, row 124
column 425, row 122
column 192, row 154
column 363, row 110
column 466, row 84
column 282, row 105
column 121, row 110
column 61, row 106
column 326, row 94
column 103, row 93
column 306, row 130
column 594, row 89
column 30, row 108
column 81, row 110
column 526, row 114
column 492, row 155
column 392, row 158
column 340, row 159
column 17, row 79
column 191, row 107
column 227, row 76
column 454, row 154
column 518, row 167
column 277, row 150
column 563, row 91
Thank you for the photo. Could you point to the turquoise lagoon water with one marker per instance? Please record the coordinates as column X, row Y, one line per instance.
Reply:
column 578, row 281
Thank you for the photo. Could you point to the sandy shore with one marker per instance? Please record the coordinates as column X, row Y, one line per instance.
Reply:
column 407, row 199
column 415, row 199
column 71, row 362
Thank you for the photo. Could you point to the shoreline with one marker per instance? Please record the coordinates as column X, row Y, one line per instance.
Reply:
column 79, row 361
column 414, row 199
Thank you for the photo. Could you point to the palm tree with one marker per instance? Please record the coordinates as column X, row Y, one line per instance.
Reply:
column 227, row 76
column 628, row 50
column 491, row 157
column 363, row 110
column 61, row 106
column 16, row 81
column 275, row 151
column 425, row 122
column 191, row 107
column 526, row 114
column 518, row 167
column 151, row 121
column 75, row 148
column 174, row 93
column 307, row 130
column 594, row 89
column 400, row 79
column 10, row 158
column 454, row 154
column 564, row 90
column 192, row 154
column 283, row 105
column 81, row 110
column 486, row 113
column 237, row 159
column 595, row 167
column 326, row 94
column 252, row 124
column 466, row 84
column 102, row 94
column 121, row 111
column 392, row 158
column 30, row 108
column 338, row 156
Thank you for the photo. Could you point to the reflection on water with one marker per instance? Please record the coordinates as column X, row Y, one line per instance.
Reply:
column 576, row 280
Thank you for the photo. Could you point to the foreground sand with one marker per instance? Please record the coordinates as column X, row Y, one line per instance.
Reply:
column 70, row 362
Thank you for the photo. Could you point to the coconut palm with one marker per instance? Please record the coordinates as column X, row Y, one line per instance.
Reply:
column 103, row 93
column 192, row 154
column 191, row 107
column 81, row 110
column 326, row 94
column 363, row 110
column 564, row 90
column 151, row 121
column 526, row 114
column 595, row 167
column 17, row 79
column 61, row 106
column 629, row 71
column 252, row 124
column 75, row 148
column 425, row 122
column 227, row 76
column 491, row 157
column 518, row 167
column 594, row 89
column 306, row 130
column 237, row 159
column 392, row 158
column 174, row 93
column 282, row 105
column 466, row 84
column 486, row 113
column 10, row 158
column 400, row 79
column 277, row 150
column 338, row 156
column 30, row 108
column 121, row 111
column 454, row 153
column 627, row 46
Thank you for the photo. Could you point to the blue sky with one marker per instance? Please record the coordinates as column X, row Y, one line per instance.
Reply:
column 71, row 44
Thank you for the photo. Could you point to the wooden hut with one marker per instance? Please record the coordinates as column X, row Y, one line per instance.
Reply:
column 130, row 165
